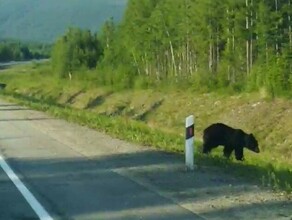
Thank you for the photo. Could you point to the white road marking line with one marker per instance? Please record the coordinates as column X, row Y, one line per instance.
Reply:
column 35, row 205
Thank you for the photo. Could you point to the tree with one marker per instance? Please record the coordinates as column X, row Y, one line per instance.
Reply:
column 74, row 50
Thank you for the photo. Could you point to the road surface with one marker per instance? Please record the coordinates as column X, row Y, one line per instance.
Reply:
column 5, row 65
column 73, row 172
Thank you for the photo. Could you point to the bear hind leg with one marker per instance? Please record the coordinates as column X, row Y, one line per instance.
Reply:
column 239, row 153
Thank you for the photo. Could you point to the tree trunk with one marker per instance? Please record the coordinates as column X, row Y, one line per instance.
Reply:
column 157, row 71
column 147, row 72
column 233, row 53
column 267, row 54
column 247, row 40
column 217, row 49
column 251, row 37
column 136, row 63
column 289, row 23
column 277, row 43
column 172, row 55
column 187, row 66
column 171, row 51
column 290, row 32
column 210, row 56
column 228, row 43
column 187, row 46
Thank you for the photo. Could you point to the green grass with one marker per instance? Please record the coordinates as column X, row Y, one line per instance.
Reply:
column 272, row 167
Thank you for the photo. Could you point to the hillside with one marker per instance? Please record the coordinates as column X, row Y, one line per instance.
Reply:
column 43, row 21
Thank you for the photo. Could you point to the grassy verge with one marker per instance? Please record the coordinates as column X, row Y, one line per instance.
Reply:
column 49, row 94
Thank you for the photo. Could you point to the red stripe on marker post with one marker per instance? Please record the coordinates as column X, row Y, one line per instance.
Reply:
column 189, row 145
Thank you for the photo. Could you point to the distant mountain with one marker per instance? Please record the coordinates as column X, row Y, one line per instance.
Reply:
column 45, row 20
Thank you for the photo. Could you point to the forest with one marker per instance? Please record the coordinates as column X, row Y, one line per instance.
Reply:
column 12, row 50
column 243, row 45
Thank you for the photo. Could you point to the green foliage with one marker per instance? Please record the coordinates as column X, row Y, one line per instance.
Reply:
column 273, row 76
column 206, row 44
column 203, row 44
column 76, row 49
column 216, row 44
column 11, row 50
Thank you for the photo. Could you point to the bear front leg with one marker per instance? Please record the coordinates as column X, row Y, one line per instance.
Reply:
column 206, row 149
column 227, row 151
column 239, row 153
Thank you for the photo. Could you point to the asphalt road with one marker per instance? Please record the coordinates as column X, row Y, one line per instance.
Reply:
column 75, row 173
column 13, row 204
column 6, row 65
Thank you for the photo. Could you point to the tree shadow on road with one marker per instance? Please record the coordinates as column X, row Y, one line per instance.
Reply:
column 146, row 185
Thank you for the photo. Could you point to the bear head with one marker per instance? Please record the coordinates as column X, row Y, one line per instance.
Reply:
column 251, row 143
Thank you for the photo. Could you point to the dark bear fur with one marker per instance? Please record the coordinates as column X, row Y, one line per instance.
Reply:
column 230, row 138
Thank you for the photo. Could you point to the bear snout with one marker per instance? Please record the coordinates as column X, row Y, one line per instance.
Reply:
column 257, row 150
column 2, row 86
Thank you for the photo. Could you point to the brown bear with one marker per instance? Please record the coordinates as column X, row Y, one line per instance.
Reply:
column 232, row 139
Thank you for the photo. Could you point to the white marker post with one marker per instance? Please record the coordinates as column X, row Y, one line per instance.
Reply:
column 189, row 147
